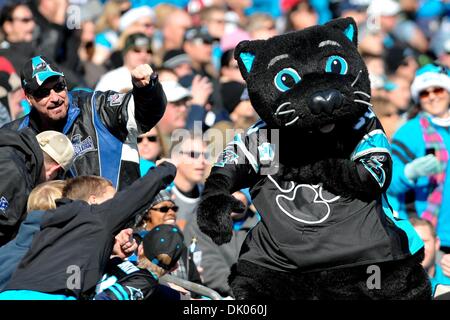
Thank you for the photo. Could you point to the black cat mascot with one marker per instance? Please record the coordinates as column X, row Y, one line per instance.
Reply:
column 317, row 164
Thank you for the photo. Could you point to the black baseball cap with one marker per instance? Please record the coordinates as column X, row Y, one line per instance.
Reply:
column 36, row 71
column 137, row 40
column 164, row 239
column 202, row 33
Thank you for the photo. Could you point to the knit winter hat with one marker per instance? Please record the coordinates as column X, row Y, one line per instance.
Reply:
column 430, row 75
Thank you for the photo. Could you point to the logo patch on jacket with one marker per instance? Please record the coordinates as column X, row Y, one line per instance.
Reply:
column 3, row 204
column 116, row 99
column 82, row 146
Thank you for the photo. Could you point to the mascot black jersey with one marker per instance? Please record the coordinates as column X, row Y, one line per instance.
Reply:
column 306, row 227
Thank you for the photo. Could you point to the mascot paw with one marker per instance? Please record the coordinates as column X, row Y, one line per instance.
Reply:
column 213, row 216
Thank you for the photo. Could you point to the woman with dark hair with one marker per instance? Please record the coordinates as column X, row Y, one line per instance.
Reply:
column 420, row 153
column 164, row 211
column 301, row 16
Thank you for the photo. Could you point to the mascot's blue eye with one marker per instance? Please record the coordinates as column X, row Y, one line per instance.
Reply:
column 336, row 64
column 286, row 79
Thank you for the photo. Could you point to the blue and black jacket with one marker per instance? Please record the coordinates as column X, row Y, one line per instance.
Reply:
column 103, row 127
column 409, row 198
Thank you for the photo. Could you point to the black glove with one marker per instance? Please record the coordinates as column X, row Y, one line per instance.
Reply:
column 214, row 216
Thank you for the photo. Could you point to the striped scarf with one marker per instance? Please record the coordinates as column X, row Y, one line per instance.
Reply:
column 433, row 140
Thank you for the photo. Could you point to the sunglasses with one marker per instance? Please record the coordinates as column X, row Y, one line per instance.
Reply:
column 426, row 93
column 148, row 138
column 180, row 103
column 42, row 93
column 200, row 41
column 195, row 154
column 137, row 50
column 166, row 209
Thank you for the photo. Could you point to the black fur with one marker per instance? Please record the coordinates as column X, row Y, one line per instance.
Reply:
column 214, row 216
column 400, row 280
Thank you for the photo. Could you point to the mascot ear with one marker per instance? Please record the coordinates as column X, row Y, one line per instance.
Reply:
column 245, row 54
column 347, row 26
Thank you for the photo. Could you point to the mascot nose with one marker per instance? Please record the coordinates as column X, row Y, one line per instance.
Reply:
column 326, row 100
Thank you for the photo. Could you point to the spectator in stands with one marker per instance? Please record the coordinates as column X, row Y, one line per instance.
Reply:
column 356, row 9
column 231, row 82
column 387, row 113
column 400, row 96
column 213, row 18
column 137, row 51
column 301, row 16
column 158, row 254
column 178, row 61
column 261, row 26
column 149, row 148
column 163, row 211
column 41, row 198
column 427, row 233
column 191, row 156
column 17, row 26
column 173, row 29
column 136, row 20
column 78, row 234
column 243, row 114
column 401, row 61
column 11, row 93
column 176, row 112
column 420, row 185
column 198, row 46
column 25, row 161
column 107, row 31
column 56, row 38
column 81, row 115
column 216, row 261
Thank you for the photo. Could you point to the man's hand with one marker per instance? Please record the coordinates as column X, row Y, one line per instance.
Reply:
column 124, row 244
column 201, row 90
column 140, row 76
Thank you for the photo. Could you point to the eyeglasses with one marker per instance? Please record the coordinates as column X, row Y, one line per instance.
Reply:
column 195, row 154
column 426, row 93
column 148, row 138
column 137, row 50
column 42, row 93
column 166, row 209
column 23, row 20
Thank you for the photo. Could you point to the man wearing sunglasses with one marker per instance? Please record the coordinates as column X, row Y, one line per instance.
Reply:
column 191, row 157
column 102, row 126
column 137, row 50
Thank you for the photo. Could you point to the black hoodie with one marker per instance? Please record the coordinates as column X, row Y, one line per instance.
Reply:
column 21, row 163
column 69, row 255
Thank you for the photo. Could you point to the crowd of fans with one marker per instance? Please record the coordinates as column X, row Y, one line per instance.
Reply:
column 107, row 63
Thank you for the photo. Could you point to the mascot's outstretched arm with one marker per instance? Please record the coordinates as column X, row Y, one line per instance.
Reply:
column 365, row 178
